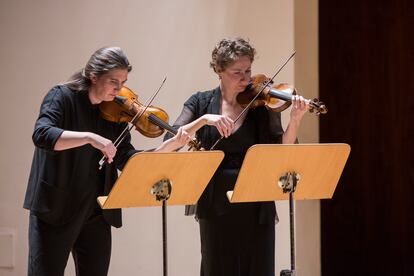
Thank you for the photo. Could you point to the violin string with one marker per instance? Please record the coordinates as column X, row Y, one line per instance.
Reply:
column 257, row 95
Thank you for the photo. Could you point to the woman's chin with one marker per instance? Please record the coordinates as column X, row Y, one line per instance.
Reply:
column 109, row 98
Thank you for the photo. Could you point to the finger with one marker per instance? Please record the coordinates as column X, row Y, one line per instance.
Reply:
column 230, row 127
column 109, row 158
column 299, row 102
column 225, row 127
column 295, row 102
column 302, row 102
column 228, row 124
column 182, row 137
column 179, row 133
column 220, row 128
column 223, row 130
column 185, row 139
column 186, row 135
column 111, row 152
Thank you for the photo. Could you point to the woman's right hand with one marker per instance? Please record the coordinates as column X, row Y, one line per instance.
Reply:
column 224, row 124
column 104, row 145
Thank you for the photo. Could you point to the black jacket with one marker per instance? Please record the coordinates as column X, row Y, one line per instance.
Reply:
column 63, row 182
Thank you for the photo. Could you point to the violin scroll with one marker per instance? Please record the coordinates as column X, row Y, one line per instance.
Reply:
column 317, row 107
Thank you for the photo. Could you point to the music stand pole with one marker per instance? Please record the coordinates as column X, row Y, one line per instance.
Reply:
column 288, row 184
column 162, row 191
column 164, row 238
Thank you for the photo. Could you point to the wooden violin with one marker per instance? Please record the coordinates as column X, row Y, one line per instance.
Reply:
column 150, row 122
column 275, row 97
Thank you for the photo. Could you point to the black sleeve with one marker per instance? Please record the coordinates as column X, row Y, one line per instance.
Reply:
column 188, row 114
column 47, row 128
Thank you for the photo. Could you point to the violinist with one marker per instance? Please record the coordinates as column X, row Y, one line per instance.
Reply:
column 236, row 238
column 70, row 138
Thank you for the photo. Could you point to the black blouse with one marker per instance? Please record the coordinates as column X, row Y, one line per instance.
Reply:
column 260, row 127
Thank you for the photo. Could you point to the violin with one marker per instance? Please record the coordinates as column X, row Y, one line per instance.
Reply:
column 275, row 97
column 124, row 108
column 150, row 122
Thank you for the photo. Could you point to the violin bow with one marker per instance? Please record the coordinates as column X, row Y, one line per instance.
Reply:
column 129, row 126
column 257, row 95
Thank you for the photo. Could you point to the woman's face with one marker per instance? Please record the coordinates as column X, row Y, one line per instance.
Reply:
column 237, row 76
column 107, row 86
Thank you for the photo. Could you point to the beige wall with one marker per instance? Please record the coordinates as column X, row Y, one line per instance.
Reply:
column 45, row 41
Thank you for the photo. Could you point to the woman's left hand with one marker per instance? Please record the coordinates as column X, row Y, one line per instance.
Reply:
column 299, row 108
column 181, row 138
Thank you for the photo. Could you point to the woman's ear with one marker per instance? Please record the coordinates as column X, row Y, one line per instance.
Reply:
column 93, row 78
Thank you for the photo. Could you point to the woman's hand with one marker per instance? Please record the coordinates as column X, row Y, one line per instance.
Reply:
column 224, row 124
column 73, row 139
column 104, row 145
column 299, row 108
column 180, row 139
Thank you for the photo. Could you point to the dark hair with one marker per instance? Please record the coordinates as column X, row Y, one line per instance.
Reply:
column 229, row 50
column 100, row 63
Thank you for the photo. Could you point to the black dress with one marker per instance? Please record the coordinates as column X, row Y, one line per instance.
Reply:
column 237, row 239
column 233, row 239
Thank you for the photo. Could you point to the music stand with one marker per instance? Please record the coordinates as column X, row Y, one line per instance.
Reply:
column 281, row 172
column 152, row 178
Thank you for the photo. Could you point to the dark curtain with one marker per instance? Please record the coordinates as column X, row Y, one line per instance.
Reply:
column 366, row 80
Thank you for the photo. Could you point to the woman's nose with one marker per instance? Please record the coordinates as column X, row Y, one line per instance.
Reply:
column 245, row 77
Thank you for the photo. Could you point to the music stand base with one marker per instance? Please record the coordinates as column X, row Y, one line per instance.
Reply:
column 287, row 272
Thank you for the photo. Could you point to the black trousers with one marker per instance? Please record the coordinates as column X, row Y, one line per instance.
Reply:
column 88, row 237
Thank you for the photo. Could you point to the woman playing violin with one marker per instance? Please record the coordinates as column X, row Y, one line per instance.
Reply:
column 70, row 138
column 236, row 239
